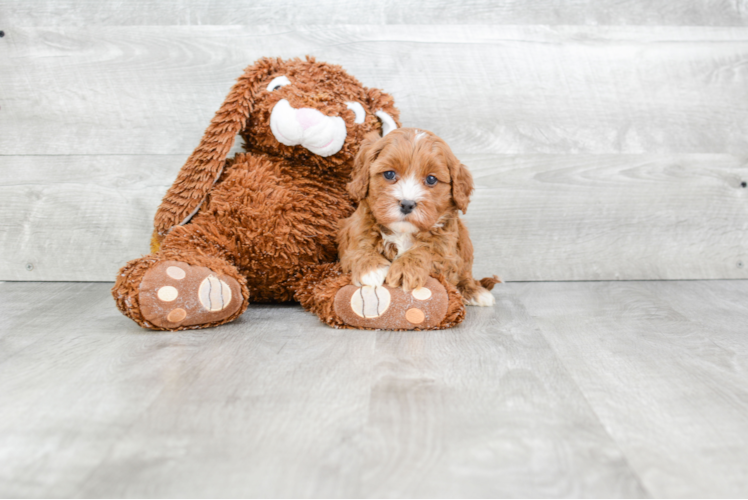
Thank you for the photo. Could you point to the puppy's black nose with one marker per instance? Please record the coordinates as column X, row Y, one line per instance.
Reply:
column 407, row 206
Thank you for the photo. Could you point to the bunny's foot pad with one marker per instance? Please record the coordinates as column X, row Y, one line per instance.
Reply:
column 386, row 308
column 174, row 295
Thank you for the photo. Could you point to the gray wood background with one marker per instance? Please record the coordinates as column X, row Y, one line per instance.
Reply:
column 609, row 139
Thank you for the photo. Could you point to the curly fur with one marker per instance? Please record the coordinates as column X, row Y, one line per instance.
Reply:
column 435, row 241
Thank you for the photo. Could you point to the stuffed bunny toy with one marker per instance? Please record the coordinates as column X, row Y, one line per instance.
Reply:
column 262, row 226
column 254, row 225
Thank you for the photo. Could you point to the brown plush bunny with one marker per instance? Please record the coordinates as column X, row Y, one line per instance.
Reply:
column 260, row 226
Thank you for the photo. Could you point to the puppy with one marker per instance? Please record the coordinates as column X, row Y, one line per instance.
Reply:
column 410, row 186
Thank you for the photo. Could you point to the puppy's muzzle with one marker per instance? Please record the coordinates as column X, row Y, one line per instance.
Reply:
column 321, row 134
column 407, row 206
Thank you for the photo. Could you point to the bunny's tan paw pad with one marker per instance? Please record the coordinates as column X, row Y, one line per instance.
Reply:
column 386, row 308
column 175, row 295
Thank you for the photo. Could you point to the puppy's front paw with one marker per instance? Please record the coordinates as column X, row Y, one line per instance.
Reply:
column 375, row 277
column 406, row 276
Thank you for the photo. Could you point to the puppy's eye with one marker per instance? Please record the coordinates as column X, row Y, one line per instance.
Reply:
column 431, row 180
column 389, row 175
column 278, row 82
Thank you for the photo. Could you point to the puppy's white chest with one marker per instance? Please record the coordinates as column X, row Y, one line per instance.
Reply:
column 402, row 241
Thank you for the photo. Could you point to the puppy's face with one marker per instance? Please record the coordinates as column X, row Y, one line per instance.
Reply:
column 410, row 178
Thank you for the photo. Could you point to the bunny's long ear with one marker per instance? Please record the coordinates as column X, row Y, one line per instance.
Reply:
column 205, row 164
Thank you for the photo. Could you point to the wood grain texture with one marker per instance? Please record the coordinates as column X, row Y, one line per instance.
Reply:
column 484, row 89
column 236, row 12
column 474, row 413
column 664, row 366
column 609, row 217
column 603, row 152
column 78, row 218
column 279, row 405
column 533, row 217
column 60, row 303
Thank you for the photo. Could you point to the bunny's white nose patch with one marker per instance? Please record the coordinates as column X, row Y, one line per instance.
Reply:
column 321, row 134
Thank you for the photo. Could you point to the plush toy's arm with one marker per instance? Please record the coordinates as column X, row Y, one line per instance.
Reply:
column 205, row 164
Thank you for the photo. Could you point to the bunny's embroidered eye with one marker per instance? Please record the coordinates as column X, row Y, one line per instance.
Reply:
column 278, row 82
column 431, row 180
column 389, row 175
column 358, row 110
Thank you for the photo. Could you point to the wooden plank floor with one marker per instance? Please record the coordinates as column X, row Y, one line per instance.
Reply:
column 604, row 389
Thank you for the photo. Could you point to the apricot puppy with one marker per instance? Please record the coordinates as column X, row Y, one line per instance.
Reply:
column 410, row 187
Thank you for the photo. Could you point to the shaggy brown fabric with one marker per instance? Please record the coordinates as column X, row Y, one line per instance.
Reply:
column 316, row 292
column 270, row 215
column 246, row 111
column 269, row 221
column 456, row 309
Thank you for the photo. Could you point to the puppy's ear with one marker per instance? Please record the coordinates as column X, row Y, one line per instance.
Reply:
column 206, row 163
column 462, row 181
column 370, row 149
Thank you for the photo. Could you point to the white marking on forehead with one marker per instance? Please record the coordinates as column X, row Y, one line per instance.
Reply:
column 408, row 188
column 419, row 134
